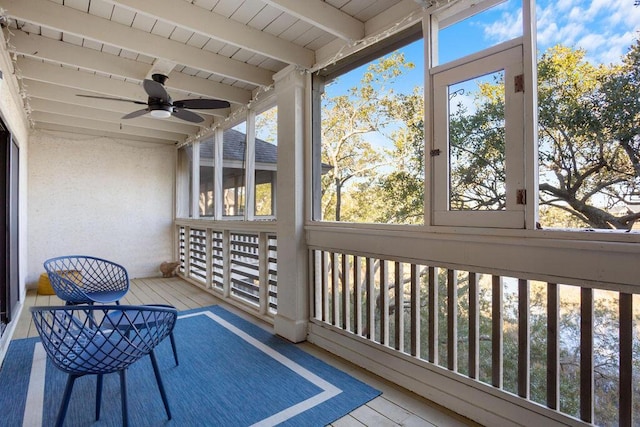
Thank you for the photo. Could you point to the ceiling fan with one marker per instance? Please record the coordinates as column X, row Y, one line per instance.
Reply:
column 160, row 104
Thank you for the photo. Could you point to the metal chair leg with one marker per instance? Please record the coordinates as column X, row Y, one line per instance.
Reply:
column 156, row 371
column 62, row 412
column 123, row 397
column 173, row 347
column 98, row 396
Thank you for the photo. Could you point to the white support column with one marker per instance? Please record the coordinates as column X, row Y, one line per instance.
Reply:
column 293, row 288
column 195, row 181
column 250, row 168
column 218, row 187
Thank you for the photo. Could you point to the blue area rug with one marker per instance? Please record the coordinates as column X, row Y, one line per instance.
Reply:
column 231, row 373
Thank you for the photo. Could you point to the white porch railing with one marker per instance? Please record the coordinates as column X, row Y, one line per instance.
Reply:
column 237, row 261
column 519, row 350
column 542, row 332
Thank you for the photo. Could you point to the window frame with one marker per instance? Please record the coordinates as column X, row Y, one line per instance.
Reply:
column 507, row 57
column 188, row 181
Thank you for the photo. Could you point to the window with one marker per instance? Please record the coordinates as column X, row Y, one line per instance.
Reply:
column 370, row 167
column 184, row 178
column 588, row 84
column 478, row 158
column 231, row 173
column 206, row 200
column 484, row 29
column 266, row 159
column 478, row 144
column 234, row 142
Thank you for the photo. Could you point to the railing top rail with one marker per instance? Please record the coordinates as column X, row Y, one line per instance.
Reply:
column 230, row 225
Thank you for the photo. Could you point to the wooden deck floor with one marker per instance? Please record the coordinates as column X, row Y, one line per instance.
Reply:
column 395, row 407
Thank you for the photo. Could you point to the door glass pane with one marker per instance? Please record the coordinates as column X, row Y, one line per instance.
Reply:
column 477, row 173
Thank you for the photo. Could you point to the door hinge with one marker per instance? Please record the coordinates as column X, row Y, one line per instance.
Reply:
column 518, row 82
column 521, row 197
column 435, row 152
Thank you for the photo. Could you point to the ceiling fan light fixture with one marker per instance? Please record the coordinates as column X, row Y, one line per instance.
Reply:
column 160, row 114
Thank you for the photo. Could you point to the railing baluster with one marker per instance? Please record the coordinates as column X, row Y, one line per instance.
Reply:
column 346, row 304
column 474, row 326
column 415, row 311
column 553, row 356
column 208, row 258
column 371, row 306
column 626, row 360
column 325, row 285
column 452, row 320
column 586, row 354
column 187, row 250
column 497, row 305
column 357, row 290
column 226, row 263
column 384, row 302
column 335, row 288
column 399, row 306
column 523, row 338
column 433, row 316
column 263, row 272
column 317, row 284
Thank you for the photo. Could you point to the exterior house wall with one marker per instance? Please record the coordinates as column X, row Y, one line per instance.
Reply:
column 100, row 196
column 14, row 117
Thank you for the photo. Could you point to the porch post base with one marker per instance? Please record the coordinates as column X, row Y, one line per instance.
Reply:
column 292, row 330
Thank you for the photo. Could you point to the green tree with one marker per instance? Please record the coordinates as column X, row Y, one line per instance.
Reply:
column 587, row 136
column 589, row 142
column 405, row 183
column 348, row 124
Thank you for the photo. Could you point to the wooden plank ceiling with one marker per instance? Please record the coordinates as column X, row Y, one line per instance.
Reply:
column 222, row 49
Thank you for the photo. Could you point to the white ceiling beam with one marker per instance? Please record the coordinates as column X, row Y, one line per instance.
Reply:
column 43, row 125
column 103, row 126
column 73, row 55
column 52, row 92
column 62, row 18
column 322, row 15
column 76, row 56
column 218, row 27
column 49, row 73
column 84, row 112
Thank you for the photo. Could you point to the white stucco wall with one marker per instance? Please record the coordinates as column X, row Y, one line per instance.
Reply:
column 102, row 197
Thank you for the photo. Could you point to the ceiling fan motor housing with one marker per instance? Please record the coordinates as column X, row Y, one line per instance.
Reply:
column 160, row 109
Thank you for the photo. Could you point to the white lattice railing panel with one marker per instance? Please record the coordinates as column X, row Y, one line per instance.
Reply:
column 239, row 265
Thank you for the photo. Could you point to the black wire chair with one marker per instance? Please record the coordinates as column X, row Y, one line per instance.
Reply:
column 80, row 279
column 102, row 339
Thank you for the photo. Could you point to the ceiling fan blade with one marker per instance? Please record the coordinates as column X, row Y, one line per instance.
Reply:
column 111, row 98
column 201, row 104
column 136, row 113
column 187, row 115
column 156, row 90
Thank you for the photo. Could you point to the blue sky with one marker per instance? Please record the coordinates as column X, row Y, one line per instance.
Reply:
column 604, row 28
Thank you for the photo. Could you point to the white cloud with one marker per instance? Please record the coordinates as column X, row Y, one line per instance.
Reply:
column 547, row 35
column 509, row 26
column 564, row 5
column 592, row 42
column 598, row 6
column 569, row 34
column 615, row 48
column 604, row 28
